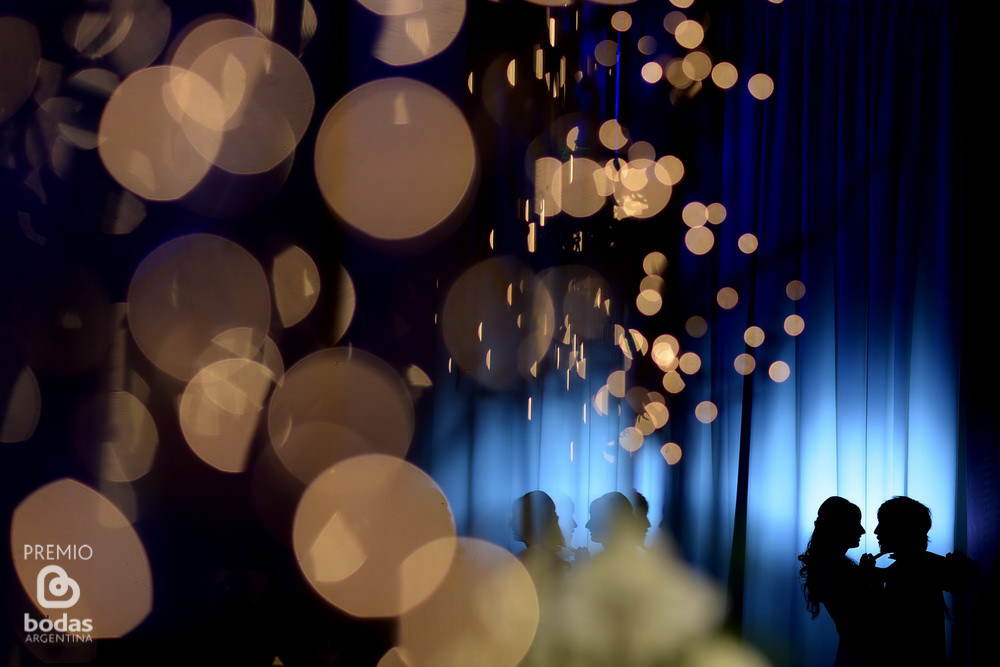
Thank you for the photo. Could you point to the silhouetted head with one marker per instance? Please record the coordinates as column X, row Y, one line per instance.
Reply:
column 534, row 520
column 611, row 519
column 903, row 524
column 837, row 527
column 642, row 513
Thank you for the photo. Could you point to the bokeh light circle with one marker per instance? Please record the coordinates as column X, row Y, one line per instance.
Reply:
column 744, row 364
column 706, row 412
column 413, row 32
column 747, row 243
column 220, row 410
column 754, row 336
column 761, row 86
column 699, row 240
column 794, row 325
column 267, row 101
column 115, row 584
column 394, row 158
column 795, row 290
column 779, row 371
column 498, row 321
column 696, row 326
column 671, row 453
column 727, row 298
column 724, row 75
column 160, row 132
column 335, row 404
column 192, row 298
column 374, row 535
column 484, row 613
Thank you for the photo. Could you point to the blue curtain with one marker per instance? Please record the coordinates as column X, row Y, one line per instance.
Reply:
column 845, row 176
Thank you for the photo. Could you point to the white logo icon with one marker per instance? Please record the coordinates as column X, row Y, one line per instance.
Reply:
column 58, row 586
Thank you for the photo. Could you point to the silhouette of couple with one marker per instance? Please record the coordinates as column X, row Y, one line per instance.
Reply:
column 884, row 616
column 613, row 522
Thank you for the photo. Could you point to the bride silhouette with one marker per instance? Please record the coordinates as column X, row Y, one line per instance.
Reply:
column 849, row 592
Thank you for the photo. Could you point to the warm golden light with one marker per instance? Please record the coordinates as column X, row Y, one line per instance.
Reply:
column 187, row 293
column 606, row 52
column 664, row 352
column 581, row 187
column 478, row 302
column 653, row 282
column 647, row 45
column 694, row 214
column 697, row 65
column 682, row 4
column 744, row 364
column 412, row 32
column 795, row 290
column 696, row 326
column 690, row 363
column 548, row 187
column 779, row 371
column 485, row 612
column 335, row 404
column 715, row 213
column 621, row 21
column 631, row 439
column 267, row 101
column 671, row 453
column 23, row 405
column 374, row 535
column 669, row 170
column 638, row 194
column 754, row 336
column 655, row 263
column 724, row 75
column 612, row 135
column 149, row 142
column 652, row 72
column 689, row 34
column 296, row 285
column 394, row 158
column 674, row 73
column 706, row 412
column 220, row 410
column 129, row 35
column 699, row 240
column 727, row 298
column 641, row 150
column 672, row 20
column 747, row 243
column 794, row 325
column 616, row 384
column 673, row 382
column 649, row 302
column 111, row 583
column 760, row 86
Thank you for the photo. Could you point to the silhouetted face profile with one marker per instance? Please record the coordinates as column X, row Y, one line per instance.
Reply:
column 839, row 523
column 534, row 521
column 642, row 514
column 903, row 524
column 611, row 519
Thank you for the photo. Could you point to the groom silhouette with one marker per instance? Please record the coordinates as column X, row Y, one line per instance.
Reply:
column 914, row 604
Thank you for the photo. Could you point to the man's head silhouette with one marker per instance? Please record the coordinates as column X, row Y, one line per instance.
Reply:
column 903, row 524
